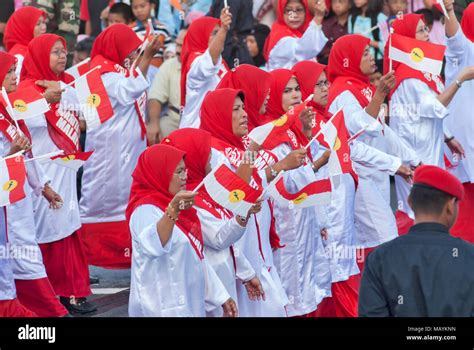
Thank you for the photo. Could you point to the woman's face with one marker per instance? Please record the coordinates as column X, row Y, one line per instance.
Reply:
column 9, row 83
column 321, row 90
column 294, row 14
column 240, row 126
column 291, row 94
column 40, row 27
column 367, row 63
column 422, row 31
column 252, row 45
column 178, row 181
column 263, row 108
column 58, row 58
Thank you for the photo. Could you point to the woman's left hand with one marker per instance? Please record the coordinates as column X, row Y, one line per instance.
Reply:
column 54, row 199
column 456, row 148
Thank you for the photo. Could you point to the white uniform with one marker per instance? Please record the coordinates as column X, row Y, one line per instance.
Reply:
column 203, row 76
column 170, row 280
column 219, row 234
column 460, row 54
column 302, row 264
column 7, row 281
column 259, row 253
column 21, row 223
column 118, row 144
column 375, row 222
column 417, row 117
column 288, row 51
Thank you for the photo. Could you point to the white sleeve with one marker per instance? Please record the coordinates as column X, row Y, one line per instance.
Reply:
column 244, row 270
column 201, row 70
column 456, row 47
column 399, row 148
column 355, row 117
column 322, row 216
column 289, row 50
column 36, row 176
column 371, row 157
column 218, row 233
column 125, row 90
column 215, row 294
column 144, row 233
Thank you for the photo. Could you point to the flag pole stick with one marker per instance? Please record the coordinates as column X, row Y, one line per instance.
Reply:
column 19, row 153
column 226, row 5
column 370, row 30
column 83, row 75
column 142, row 48
column 321, row 130
column 47, row 155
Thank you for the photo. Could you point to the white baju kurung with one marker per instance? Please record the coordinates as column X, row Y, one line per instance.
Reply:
column 302, row 264
column 117, row 143
column 170, row 280
column 375, row 222
column 417, row 117
column 289, row 50
column 7, row 281
column 203, row 76
column 460, row 54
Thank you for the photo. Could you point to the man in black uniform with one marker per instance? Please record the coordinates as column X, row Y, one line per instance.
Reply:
column 426, row 273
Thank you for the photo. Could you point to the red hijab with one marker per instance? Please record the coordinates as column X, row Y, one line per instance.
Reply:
column 36, row 66
column 7, row 125
column 280, row 78
column 112, row 47
column 216, row 118
column 20, row 29
column 151, row 179
column 467, row 22
column 281, row 30
column 344, row 69
column 255, row 83
column 308, row 73
column 195, row 44
column 406, row 26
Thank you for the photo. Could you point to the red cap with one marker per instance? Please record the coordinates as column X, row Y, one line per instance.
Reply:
column 435, row 177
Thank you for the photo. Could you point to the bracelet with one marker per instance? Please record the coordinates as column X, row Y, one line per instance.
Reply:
column 448, row 139
column 458, row 83
column 168, row 208
column 243, row 221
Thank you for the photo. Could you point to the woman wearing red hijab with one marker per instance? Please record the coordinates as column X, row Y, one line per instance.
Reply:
column 295, row 36
column 301, row 262
column 202, row 64
column 460, row 54
column 423, row 128
column 117, row 143
column 219, row 229
column 170, row 276
column 57, row 130
column 24, row 24
column 224, row 116
column 32, row 284
column 350, row 64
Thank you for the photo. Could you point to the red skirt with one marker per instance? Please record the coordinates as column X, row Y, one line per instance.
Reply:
column 107, row 244
column 362, row 257
column 326, row 308
column 38, row 296
column 345, row 296
column 13, row 308
column 404, row 222
column 464, row 226
column 67, row 267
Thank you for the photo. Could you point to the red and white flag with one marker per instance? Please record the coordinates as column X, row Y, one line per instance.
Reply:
column 439, row 4
column 72, row 160
column 336, row 136
column 230, row 191
column 93, row 97
column 417, row 54
column 266, row 134
column 316, row 193
column 79, row 69
column 12, row 180
column 25, row 103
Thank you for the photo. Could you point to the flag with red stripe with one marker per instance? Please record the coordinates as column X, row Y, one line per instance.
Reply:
column 25, row 103
column 73, row 160
column 417, row 54
column 12, row 180
column 79, row 69
column 97, row 108
column 316, row 193
column 230, row 191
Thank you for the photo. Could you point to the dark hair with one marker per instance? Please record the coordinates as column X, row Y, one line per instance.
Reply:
column 374, row 7
column 428, row 200
column 123, row 9
column 428, row 16
column 85, row 45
